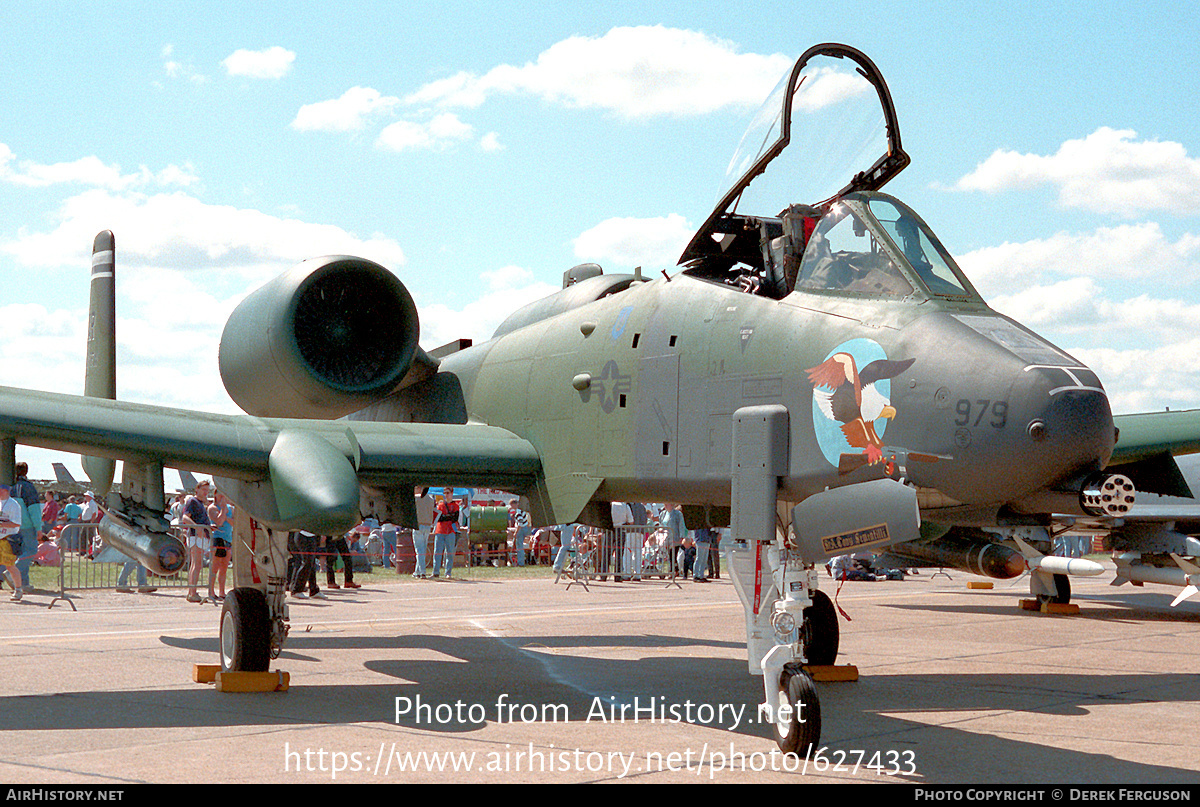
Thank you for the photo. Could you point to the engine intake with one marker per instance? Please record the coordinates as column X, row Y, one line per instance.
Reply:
column 322, row 340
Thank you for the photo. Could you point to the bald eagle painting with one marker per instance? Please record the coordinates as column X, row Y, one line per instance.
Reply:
column 852, row 397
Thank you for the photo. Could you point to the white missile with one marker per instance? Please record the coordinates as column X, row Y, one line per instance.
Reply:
column 1076, row 567
column 1186, row 576
column 1053, row 564
column 1191, row 574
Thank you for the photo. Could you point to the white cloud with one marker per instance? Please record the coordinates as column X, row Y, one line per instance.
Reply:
column 274, row 62
column 460, row 90
column 1146, row 380
column 439, row 132
column 1063, row 304
column 629, row 242
column 177, row 69
column 90, row 171
column 1106, row 172
column 491, row 142
column 507, row 277
column 827, row 86
column 176, row 230
column 1126, row 251
column 1075, row 306
column 508, row 289
column 347, row 113
column 634, row 72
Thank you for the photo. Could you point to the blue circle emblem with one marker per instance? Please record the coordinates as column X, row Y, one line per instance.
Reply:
column 830, row 436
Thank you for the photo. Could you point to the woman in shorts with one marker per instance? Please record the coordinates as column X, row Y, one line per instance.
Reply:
column 195, row 512
column 220, row 515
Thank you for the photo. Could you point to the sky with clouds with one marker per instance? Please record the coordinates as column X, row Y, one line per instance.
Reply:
column 480, row 149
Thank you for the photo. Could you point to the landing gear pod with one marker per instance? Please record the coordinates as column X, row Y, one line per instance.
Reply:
column 854, row 518
column 787, row 618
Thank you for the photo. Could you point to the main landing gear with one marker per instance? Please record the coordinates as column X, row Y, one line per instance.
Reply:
column 254, row 618
column 245, row 632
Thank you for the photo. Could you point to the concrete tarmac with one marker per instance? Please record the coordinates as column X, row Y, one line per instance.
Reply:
column 522, row 680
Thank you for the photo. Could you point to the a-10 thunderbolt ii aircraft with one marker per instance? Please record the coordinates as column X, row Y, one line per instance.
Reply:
column 820, row 376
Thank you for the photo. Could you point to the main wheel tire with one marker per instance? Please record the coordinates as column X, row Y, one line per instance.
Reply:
column 800, row 732
column 245, row 631
column 821, row 633
column 1062, row 587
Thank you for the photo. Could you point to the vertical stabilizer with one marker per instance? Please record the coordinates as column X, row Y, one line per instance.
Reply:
column 62, row 475
column 100, row 372
column 187, row 480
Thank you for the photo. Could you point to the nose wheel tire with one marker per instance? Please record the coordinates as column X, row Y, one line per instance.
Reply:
column 798, row 714
column 245, row 631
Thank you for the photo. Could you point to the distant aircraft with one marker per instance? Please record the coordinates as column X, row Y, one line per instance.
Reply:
column 62, row 475
column 186, row 479
column 821, row 377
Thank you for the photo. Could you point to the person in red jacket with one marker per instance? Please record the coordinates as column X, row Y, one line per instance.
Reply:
column 445, row 532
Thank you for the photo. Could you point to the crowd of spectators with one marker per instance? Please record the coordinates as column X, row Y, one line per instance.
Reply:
column 649, row 539
column 30, row 523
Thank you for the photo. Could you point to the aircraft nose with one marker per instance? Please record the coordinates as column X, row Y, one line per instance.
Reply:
column 1064, row 435
column 1070, row 424
column 1011, row 418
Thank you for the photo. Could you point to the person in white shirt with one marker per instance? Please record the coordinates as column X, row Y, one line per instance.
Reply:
column 10, row 539
column 91, row 510
column 621, row 515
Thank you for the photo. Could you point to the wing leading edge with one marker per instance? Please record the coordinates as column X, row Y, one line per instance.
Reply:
column 307, row 472
column 1148, row 434
column 1147, row 445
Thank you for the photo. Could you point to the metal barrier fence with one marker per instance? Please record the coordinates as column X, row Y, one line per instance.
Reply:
column 86, row 564
column 629, row 552
column 600, row 553
column 470, row 552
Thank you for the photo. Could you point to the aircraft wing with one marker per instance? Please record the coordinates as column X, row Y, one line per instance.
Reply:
column 1147, row 445
column 306, row 472
column 1148, row 434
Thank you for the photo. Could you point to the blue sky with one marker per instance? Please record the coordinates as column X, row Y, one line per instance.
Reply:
column 480, row 149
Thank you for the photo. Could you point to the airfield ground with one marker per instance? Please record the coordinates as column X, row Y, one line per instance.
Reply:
column 515, row 679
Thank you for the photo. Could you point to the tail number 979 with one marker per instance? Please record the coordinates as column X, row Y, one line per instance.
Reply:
column 974, row 413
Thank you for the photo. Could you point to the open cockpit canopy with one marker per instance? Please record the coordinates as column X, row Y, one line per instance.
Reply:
column 836, row 107
column 843, row 237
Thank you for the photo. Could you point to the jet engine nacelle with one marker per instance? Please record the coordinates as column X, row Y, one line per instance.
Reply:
column 322, row 340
